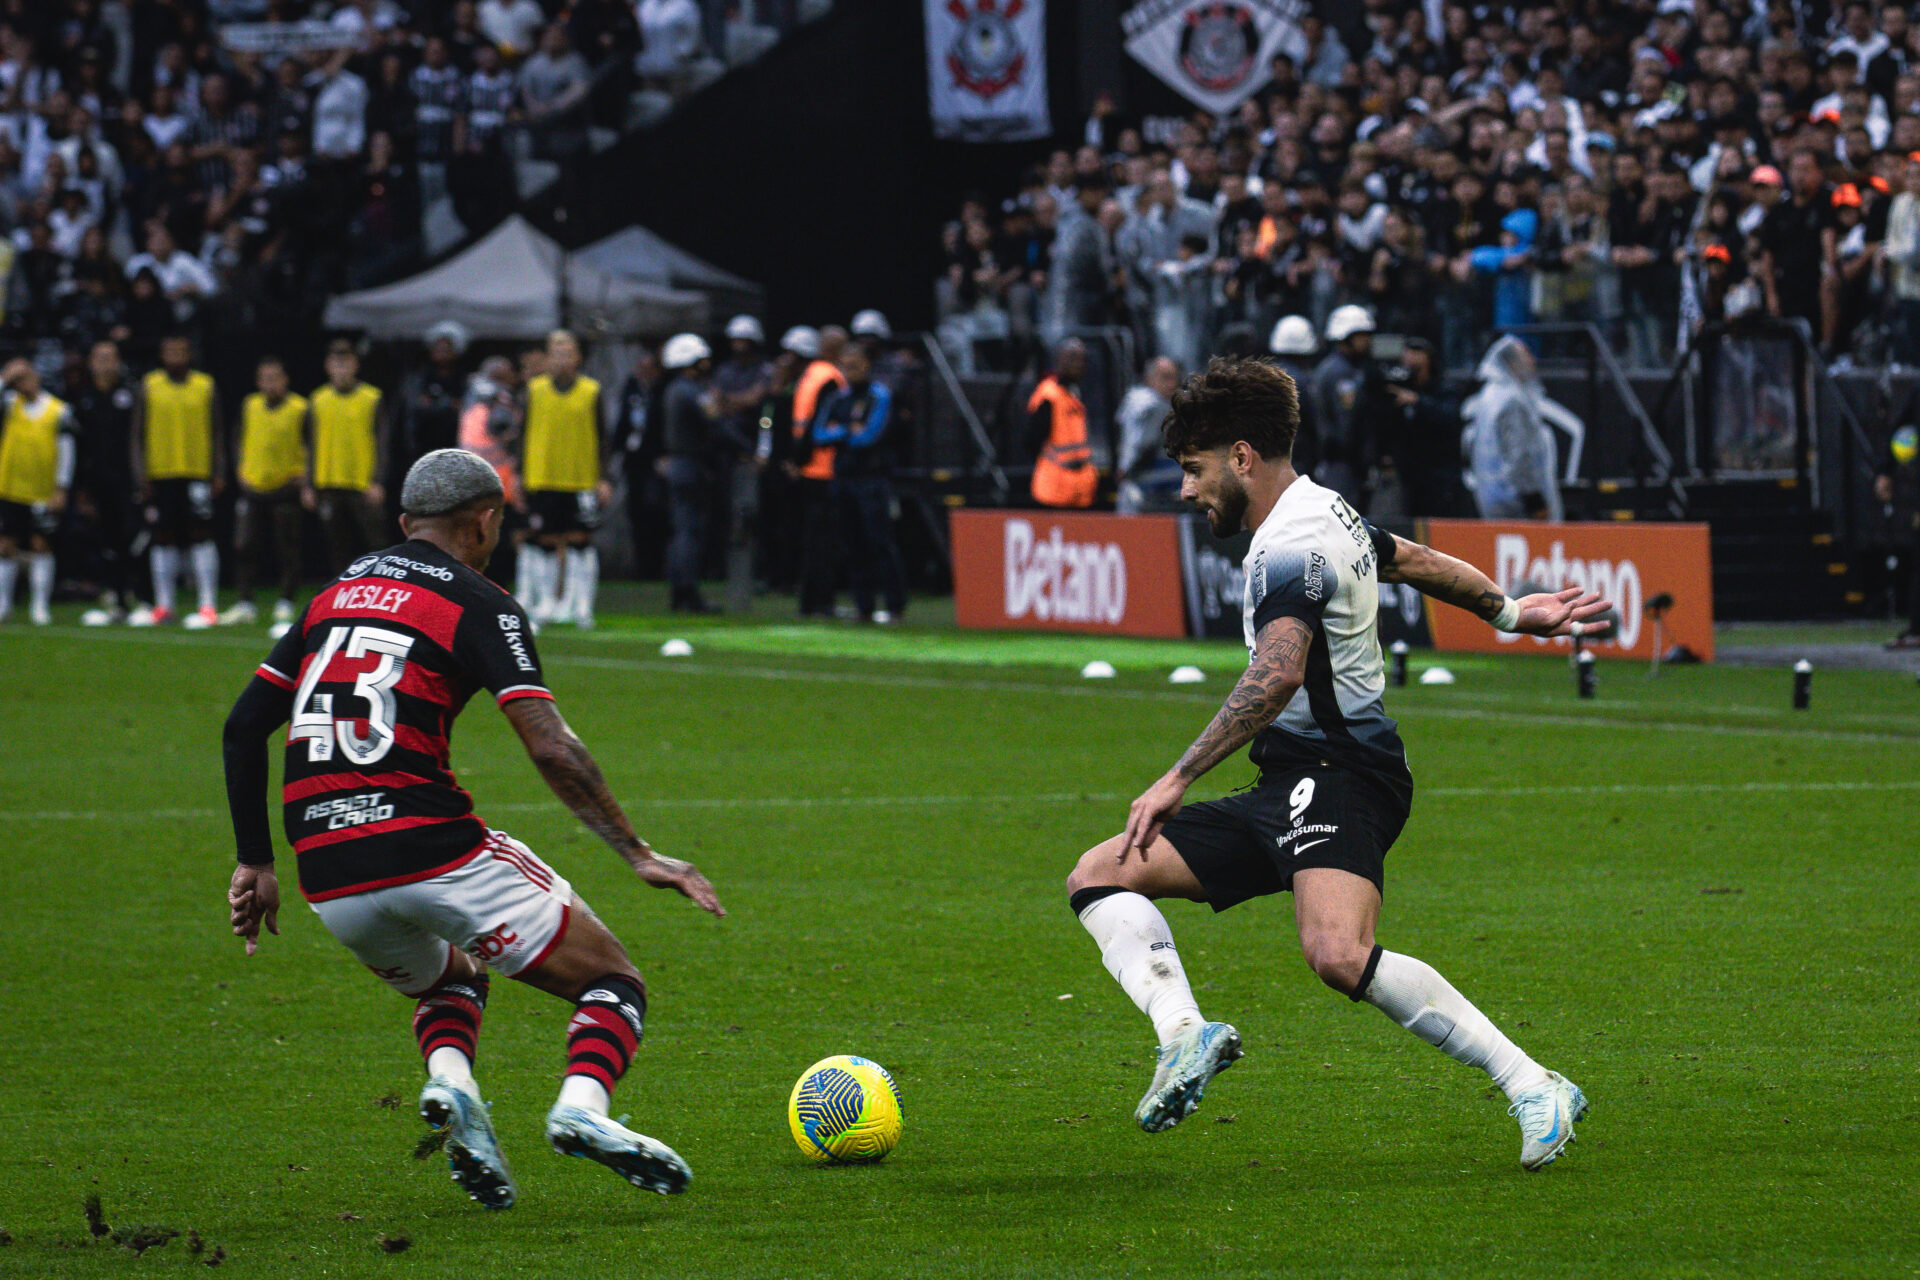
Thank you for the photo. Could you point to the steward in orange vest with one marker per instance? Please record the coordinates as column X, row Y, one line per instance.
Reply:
column 1063, row 474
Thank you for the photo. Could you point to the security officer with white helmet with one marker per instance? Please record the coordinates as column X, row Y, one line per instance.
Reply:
column 740, row 386
column 687, row 437
column 1344, row 397
column 1295, row 346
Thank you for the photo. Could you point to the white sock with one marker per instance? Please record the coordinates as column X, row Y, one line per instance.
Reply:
column 586, row 1093
column 9, row 570
column 1137, row 947
column 525, row 570
column 1413, row 994
column 450, row 1064
column 206, row 572
column 40, row 578
column 583, row 580
column 537, row 570
column 166, row 568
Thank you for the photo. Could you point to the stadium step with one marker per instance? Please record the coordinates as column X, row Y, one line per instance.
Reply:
column 1773, row 555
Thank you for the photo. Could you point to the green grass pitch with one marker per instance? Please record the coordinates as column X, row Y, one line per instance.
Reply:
column 1701, row 906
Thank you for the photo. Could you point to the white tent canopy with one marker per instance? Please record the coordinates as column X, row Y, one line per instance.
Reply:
column 508, row 285
column 636, row 253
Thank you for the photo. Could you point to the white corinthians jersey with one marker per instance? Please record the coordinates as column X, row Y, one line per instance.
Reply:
column 1315, row 559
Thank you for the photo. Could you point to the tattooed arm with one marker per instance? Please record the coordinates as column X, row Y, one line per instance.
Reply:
column 569, row 768
column 1455, row 582
column 1278, row 668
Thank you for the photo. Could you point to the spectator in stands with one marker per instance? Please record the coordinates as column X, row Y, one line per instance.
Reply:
column 855, row 421
column 1903, row 264
column 687, row 445
column 514, row 26
column 554, row 84
column 1800, row 246
column 670, row 39
column 340, row 99
column 272, row 474
column 1149, row 480
column 492, row 98
column 1082, row 269
column 1511, row 459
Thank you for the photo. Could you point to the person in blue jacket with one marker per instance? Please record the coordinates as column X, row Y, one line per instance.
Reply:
column 855, row 421
column 1510, row 263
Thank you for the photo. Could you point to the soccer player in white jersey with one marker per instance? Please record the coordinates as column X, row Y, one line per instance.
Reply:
column 1334, row 789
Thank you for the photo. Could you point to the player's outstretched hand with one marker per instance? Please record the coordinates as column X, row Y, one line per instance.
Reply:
column 1559, row 613
column 676, row 873
column 253, row 897
column 1150, row 813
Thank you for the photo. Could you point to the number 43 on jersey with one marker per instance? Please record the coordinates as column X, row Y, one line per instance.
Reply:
column 314, row 718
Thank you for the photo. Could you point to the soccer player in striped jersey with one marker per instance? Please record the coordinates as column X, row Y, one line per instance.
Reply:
column 1334, row 789
column 391, row 855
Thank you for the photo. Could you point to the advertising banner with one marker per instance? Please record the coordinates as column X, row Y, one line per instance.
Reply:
column 1631, row 564
column 1218, row 53
column 987, row 70
column 1056, row 571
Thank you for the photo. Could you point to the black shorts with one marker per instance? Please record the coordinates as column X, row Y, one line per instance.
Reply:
column 552, row 511
column 181, row 512
column 20, row 523
column 1249, row 844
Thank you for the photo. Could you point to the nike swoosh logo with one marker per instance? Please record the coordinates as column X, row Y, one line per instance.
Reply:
column 1302, row 848
column 1556, row 1129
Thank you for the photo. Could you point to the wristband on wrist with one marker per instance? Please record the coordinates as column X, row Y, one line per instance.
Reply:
column 1509, row 616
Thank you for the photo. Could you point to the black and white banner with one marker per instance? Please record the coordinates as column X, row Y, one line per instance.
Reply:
column 278, row 39
column 1216, row 52
column 987, row 70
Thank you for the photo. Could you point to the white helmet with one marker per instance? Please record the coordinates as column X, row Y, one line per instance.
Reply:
column 871, row 324
column 684, row 350
column 1347, row 321
column 1293, row 336
column 746, row 327
column 803, row 340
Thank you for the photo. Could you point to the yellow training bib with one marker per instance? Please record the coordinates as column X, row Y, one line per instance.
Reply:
column 345, row 441
column 30, row 450
column 179, row 425
column 273, row 453
column 563, row 436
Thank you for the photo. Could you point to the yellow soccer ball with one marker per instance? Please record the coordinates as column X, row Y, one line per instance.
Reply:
column 845, row 1110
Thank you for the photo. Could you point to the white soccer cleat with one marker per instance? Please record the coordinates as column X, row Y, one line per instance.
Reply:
column 1183, row 1071
column 1546, row 1116
column 283, row 611
column 239, row 614
column 201, row 620
column 149, row 617
column 650, row 1165
column 473, row 1153
column 102, row 617
column 40, row 616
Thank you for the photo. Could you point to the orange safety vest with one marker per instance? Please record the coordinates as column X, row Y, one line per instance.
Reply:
column 1064, row 476
column 812, row 388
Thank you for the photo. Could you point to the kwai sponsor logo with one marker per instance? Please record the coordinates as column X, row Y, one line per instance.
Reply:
column 1054, row 580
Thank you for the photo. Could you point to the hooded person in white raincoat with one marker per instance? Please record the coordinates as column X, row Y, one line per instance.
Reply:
column 1512, row 463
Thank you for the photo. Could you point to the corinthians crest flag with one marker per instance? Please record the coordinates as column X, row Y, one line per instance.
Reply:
column 987, row 70
column 1216, row 52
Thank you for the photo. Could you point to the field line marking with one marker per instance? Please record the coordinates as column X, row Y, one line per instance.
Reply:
column 1043, row 797
column 785, row 675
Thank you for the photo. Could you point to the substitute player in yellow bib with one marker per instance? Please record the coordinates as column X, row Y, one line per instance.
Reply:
column 563, row 457
column 36, row 466
column 348, row 458
column 273, row 473
column 180, row 455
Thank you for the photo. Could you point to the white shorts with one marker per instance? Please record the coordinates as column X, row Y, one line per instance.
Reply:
column 504, row 907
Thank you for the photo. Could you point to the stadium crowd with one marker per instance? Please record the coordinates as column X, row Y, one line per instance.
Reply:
column 1642, row 167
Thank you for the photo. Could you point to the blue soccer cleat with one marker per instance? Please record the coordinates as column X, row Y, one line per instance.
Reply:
column 650, row 1165
column 1546, row 1116
column 473, row 1153
column 1180, row 1076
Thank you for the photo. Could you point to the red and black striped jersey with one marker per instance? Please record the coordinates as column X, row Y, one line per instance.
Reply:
column 384, row 659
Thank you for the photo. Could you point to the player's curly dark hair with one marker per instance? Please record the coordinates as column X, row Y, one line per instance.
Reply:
column 1234, row 399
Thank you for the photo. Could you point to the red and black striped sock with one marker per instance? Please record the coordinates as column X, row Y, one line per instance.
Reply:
column 448, row 1017
column 605, row 1030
